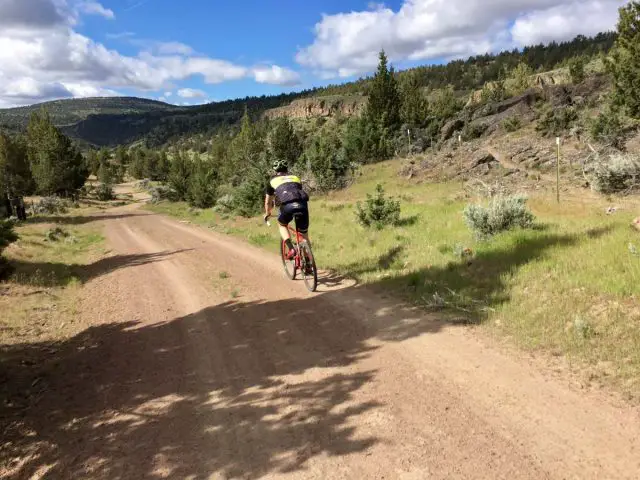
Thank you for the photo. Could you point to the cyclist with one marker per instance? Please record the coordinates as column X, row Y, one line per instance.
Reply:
column 287, row 191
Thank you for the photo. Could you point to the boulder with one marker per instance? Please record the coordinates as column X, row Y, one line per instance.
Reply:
column 449, row 128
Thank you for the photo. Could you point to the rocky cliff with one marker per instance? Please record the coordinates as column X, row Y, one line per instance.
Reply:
column 320, row 107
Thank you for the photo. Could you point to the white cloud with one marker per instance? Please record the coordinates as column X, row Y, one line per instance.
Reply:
column 561, row 22
column 168, row 94
column 191, row 93
column 276, row 75
column 42, row 57
column 91, row 7
column 347, row 44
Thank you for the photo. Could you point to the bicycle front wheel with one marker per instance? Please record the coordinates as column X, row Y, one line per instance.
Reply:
column 309, row 270
column 289, row 265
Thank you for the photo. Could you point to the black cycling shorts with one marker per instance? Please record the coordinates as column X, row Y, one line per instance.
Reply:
column 300, row 209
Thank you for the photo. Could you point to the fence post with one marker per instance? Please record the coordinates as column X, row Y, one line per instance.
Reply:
column 558, row 169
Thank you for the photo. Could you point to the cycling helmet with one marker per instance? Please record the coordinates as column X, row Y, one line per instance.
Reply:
column 280, row 165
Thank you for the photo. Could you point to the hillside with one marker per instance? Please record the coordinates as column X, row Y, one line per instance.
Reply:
column 72, row 111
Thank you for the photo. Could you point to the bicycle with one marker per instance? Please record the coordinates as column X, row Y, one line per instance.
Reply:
column 303, row 259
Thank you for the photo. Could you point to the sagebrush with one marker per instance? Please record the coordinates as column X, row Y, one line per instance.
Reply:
column 50, row 206
column 619, row 173
column 378, row 210
column 501, row 214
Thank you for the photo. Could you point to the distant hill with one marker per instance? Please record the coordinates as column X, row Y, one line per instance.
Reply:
column 71, row 111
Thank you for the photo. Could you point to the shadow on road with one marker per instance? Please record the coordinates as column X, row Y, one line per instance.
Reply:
column 205, row 394
column 51, row 274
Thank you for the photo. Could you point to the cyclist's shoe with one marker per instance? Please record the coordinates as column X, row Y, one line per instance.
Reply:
column 291, row 254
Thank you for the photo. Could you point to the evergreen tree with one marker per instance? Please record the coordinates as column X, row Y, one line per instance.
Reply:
column 520, row 78
column 415, row 108
column 15, row 174
column 285, row 143
column 383, row 105
column 577, row 69
column 203, row 183
column 179, row 174
column 244, row 151
column 122, row 156
column 328, row 161
column 57, row 166
column 137, row 164
column 162, row 167
column 624, row 64
column 93, row 162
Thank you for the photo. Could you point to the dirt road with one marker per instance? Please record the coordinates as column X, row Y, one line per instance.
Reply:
column 205, row 362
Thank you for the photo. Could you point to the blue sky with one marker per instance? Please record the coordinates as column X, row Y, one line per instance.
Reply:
column 195, row 51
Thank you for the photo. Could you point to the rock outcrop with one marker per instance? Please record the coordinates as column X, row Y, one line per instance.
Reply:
column 347, row 105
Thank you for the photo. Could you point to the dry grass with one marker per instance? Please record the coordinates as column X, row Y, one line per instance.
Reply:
column 39, row 300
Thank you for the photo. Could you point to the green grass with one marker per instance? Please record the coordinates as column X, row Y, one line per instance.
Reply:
column 569, row 287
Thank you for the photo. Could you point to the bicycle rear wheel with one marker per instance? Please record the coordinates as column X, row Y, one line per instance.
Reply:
column 289, row 265
column 309, row 270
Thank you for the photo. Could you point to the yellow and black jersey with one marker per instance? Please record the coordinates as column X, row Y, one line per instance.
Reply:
column 286, row 188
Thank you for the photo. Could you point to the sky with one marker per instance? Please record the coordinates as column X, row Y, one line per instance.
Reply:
column 197, row 51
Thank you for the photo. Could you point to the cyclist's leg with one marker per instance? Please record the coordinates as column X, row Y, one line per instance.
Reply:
column 284, row 219
column 302, row 220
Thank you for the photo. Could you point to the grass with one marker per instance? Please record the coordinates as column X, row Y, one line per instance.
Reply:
column 39, row 299
column 569, row 287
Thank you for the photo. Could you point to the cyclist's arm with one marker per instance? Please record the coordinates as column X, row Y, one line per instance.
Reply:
column 268, row 204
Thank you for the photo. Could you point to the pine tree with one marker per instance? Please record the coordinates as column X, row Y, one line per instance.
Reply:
column 93, row 162
column 122, row 156
column 57, row 166
column 624, row 63
column 179, row 174
column 383, row 104
column 244, row 151
column 415, row 108
column 285, row 143
column 203, row 183
column 162, row 167
column 15, row 174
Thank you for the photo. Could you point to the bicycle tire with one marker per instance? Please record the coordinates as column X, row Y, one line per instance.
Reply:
column 290, row 268
column 309, row 269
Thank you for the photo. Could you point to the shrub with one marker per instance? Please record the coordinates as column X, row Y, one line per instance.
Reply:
column 55, row 234
column 50, row 206
column 556, row 121
column 620, row 173
column 607, row 128
column 577, row 69
column 7, row 235
column 502, row 213
column 163, row 192
column 511, row 124
column 472, row 131
column 224, row 204
column 378, row 210
column 104, row 193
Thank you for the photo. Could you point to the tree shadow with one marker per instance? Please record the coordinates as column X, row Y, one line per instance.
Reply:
column 408, row 221
column 79, row 219
column 53, row 274
column 220, row 391
column 469, row 288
